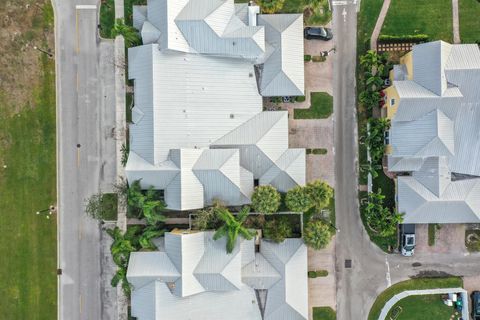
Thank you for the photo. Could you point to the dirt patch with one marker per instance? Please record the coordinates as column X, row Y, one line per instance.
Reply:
column 26, row 27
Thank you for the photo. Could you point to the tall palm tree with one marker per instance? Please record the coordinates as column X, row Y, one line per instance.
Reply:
column 233, row 227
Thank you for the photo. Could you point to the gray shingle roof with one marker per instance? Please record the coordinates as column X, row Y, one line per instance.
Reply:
column 435, row 133
column 196, row 278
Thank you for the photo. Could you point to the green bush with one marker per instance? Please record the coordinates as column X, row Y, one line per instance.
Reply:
column 318, row 58
column 324, row 313
column 318, row 273
column 404, row 38
column 300, row 98
column 277, row 229
column 317, row 151
column 379, row 218
column 375, row 138
column 432, row 228
column 266, row 199
column 298, row 199
column 307, row 57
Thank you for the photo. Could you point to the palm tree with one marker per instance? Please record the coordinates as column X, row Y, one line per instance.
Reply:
column 128, row 32
column 147, row 235
column 233, row 227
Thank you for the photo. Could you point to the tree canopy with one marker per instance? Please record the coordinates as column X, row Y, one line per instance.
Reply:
column 270, row 6
column 298, row 199
column 266, row 199
column 232, row 227
column 316, row 234
column 320, row 193
column 380, row 218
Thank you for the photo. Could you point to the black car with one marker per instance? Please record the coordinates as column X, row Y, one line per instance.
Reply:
column 320, row 33
column 476, row 305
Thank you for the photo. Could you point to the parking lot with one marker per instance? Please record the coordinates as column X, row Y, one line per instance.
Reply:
column 450, row 238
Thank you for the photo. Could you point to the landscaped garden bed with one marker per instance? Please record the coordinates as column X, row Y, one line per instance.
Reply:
column 422, row 307
column 413, row 284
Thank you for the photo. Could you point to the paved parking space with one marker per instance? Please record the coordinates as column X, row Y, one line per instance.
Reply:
column 322, row 290
column 315, row 133
column 449, row 239
column 472, row 283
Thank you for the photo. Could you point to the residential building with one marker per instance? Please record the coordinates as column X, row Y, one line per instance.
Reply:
column 192, row 277
column 434, row 145
column 198, row 131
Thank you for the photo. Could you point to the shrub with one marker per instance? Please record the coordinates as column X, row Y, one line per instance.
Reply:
column 378, row 217
column 206, row 219
column 307, row 57
column 270, row 6
column 317, row 151
column 318, row 58
column 300, row 98
column 375, row 138
column 316, row 234
column 404, row 38
column 298, row 199
column 277, row 229
column 266, row 199
column 318, row 273
column 102, row 206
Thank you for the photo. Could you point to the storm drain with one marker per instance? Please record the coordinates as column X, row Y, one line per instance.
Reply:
column 348, row 263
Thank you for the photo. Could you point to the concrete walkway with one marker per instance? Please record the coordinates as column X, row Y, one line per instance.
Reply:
column 379, row 24
column 390, row 303
column 456, row 24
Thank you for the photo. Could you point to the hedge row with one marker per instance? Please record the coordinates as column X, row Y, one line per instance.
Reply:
column 403, row 38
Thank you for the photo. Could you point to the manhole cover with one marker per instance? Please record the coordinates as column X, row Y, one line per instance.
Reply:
column 348, row 263
column 416, row 264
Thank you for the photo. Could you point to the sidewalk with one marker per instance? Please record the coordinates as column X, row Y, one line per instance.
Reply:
column 379, row 24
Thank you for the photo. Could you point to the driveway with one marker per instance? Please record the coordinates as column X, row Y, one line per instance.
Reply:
column 450, row 238
column 322, row 290
column 316, row 133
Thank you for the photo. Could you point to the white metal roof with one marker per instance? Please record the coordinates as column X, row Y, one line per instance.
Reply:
column 209, row 279
column 283, row 70
column 438, row 116
column 195, row 88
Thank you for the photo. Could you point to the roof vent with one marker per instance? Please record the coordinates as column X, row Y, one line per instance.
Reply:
column 250, row 75
column 232, row 116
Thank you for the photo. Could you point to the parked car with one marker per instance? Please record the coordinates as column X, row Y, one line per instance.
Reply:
column 476, row 305
column 319, row 33
column 407, row 239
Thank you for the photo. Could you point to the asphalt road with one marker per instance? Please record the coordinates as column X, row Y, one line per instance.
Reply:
column 372, row 271
column 85, row 153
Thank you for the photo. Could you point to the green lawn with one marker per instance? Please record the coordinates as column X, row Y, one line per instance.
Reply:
column 429, row 307
column 408, row 17
column 413, row 284
column 321, row 107
column 28, row 288
column 324, row 313
column 469, row 15
column 367, row 17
